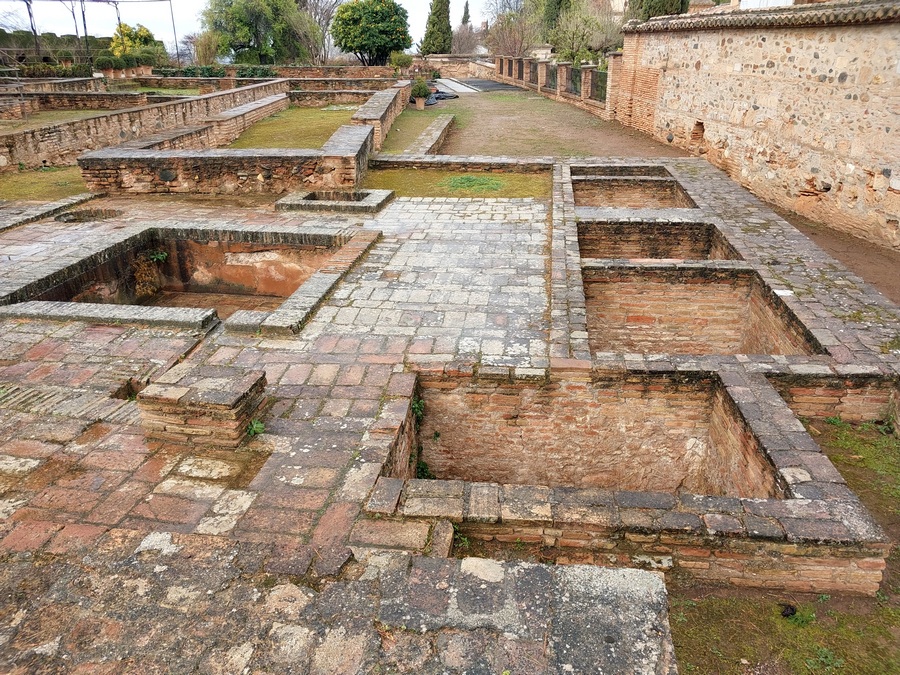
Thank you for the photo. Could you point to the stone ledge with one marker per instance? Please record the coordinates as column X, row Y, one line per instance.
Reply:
column 13, row 218
column 174, row 317
column 463, row 163
column 430, row 141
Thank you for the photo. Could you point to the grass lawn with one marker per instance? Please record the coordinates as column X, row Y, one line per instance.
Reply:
column 46, row 118
column 45, row 185
column 438, row 183
column 294, row 128
column 411, row 123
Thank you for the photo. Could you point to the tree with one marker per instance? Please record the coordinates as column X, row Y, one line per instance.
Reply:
column 128, row 40
column 262, row 31
column 371, row 29
column 516, row 26
column 438, row 32
column 465, row 39
column 583, row 33
column 647, row 9
column 322, row 12
column 466, row 19
column 553, row 10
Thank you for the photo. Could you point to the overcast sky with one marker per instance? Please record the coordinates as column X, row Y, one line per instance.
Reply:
column 54, row 17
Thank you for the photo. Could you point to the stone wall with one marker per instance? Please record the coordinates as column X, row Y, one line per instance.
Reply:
column 627, row 240
column 320, row 99
column 853, row 399
column 333, row 83
column 60, row 144
column 340, row 164
column 795, row 103
column 87, row 100
column 650, row 433
column 382, row 109
column 456, row 66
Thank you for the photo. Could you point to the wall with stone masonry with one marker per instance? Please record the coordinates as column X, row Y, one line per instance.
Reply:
column 626, row 239
column 853, row 399
column 60, row 144
column 87, row 100
column 801, row 114
column 319, row 99
column 382, row 109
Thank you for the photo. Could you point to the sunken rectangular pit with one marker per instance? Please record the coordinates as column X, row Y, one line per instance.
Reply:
column 688, row 309
column 648, row 433
column 654, row 240
column 227, row 274
column 630, row 192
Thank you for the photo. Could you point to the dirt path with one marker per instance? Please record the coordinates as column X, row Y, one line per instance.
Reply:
column 521, row 123
column 878, row 266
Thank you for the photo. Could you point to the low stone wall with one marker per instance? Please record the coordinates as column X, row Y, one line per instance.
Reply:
column 340, row 164
column 432, row 139
column 332, row 72
column 87, row 100
column 60, row 144
column 16, row 108
column 852, row 398
column 456, row 66
column 382, row 109
column 320, row 99
column 70, row 84
column 330, row 83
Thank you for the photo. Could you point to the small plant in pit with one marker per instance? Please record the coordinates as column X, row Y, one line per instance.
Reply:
column 460, row 541
column 800, row 617
column 255, row 428
column 423, row 472
column 418, row 410
column 157, row 256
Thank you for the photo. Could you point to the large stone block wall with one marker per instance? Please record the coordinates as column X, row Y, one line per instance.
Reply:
column 803, row 115
column 60, row 144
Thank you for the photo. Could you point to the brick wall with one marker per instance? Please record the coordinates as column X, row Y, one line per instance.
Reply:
column 633, row 433
column 853, row 399
column 60, row 144
column 800, row 114
column 334, row 72
column 667, row 310
column 685, row 241
column 631, row 193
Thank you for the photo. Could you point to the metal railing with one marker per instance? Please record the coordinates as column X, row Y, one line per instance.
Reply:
column 533, row 73
column 574, row 84
column 598, row 85
column 551, row 77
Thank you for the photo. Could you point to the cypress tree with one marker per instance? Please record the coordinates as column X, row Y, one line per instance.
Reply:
column 438, row 33
column 466, row 18
column 552, row 10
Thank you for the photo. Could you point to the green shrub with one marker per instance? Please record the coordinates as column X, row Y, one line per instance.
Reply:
column 420, row 89
column 118, row 64
column 401, row 60
column 64, row 55
column 130, row 60
column 104, row 63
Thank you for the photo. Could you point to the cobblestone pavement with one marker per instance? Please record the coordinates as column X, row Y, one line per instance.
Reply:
column 125, row 555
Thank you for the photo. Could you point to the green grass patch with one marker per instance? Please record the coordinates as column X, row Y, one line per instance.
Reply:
column 294, row 128
column 46, row 118
column 46, row 185
column 713, row 635
column 437, row 183
column 871, row 446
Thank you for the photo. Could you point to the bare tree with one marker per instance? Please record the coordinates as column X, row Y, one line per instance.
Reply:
column 322, row 12
column 465, row 39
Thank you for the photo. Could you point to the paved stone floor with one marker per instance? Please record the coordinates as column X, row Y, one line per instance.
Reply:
column 124, row 555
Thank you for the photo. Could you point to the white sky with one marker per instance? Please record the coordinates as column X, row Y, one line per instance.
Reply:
column 54, row 17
